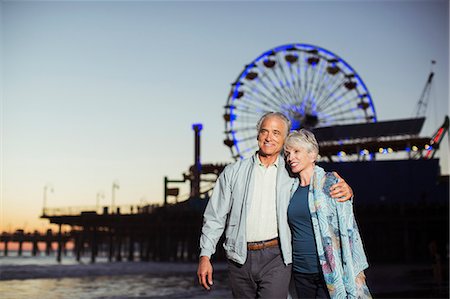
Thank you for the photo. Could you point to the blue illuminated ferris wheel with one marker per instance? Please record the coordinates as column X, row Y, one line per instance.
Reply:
column 312, row 86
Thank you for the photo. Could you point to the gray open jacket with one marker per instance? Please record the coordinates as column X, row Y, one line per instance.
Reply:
column 228, row 207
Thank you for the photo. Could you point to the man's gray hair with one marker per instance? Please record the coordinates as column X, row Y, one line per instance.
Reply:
column 280, row 115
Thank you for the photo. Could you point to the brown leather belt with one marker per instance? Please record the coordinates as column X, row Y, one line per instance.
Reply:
column 262, row 244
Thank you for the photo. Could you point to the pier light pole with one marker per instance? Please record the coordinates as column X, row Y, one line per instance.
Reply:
column 113, row 195
column 47, row 187
column 100, row 195
column 195, row 183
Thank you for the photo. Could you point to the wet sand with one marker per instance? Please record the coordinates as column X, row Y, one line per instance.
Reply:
column 45, row 278
column 108, row 280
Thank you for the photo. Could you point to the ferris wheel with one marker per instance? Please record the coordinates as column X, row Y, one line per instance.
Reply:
column 312, row 86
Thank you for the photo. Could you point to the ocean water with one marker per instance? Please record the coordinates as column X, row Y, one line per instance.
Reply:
column 42, row 277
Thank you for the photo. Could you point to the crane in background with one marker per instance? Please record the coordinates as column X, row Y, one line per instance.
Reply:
column 421, row 107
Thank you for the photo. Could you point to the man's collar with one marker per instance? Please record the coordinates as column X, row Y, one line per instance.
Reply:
column 261, row 164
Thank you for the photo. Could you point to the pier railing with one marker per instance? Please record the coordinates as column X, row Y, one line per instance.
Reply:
column 77, row 210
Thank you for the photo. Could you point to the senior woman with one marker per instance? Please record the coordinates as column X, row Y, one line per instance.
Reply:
column 328, row 254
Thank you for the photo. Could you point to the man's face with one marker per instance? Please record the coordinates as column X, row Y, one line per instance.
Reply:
column 271, row 136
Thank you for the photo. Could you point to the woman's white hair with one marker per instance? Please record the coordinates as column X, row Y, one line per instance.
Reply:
column 304, row 139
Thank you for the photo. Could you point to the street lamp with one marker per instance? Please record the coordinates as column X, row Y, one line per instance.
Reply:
column 113, row 194
column 100, row 195
column 47, row 187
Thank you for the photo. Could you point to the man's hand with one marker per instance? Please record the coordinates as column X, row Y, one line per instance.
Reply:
column 341, row 190
column 360, row 279
column 204, row 272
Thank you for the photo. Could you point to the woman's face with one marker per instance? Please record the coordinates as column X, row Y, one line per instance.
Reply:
column 299, row 159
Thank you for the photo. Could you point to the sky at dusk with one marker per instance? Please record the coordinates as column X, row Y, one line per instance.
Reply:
column 101, row 92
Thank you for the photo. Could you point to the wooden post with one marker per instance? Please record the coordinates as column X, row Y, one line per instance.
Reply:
column 20, row 248
column 93, row 243
column 148, row 249
column 141, row 248
column 35, row 249
column 119, row 246
column 131, row 247
column 58, row 258
column 111, row 245
column 65, row 247
column 48, row 242
column 5, row 250
column 80, row 244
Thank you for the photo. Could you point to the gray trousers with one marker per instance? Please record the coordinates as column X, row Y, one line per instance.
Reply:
column 263, row 275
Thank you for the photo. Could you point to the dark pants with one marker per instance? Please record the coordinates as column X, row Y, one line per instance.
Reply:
column 263, row 275
column 310, row 285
